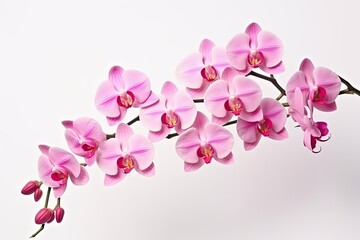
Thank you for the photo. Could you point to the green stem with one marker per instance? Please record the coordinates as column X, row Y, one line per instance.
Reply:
column 45, row 206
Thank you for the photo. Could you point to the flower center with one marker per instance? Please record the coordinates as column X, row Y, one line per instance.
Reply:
column 126, row 163
column 255, row 59
column 59, row 176
column 170, row 119
column 126, row 99
column 209, row 73
column 89, row 147
column 234, row 105
column 264, row 127
column 318, row 95
column 205, row 152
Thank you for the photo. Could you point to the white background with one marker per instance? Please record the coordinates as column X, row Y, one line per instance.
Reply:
column 54, row 55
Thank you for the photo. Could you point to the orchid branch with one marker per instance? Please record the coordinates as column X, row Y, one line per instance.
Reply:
column 271, row 79
column 45, row 206
column 350, row 88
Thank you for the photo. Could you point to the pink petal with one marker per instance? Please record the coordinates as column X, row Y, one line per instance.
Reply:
column 205, row 48
column 148, row 172
column 229, row 159
column 296, row 81
column 59, row 191
column 105, row 100
column 124, row 133
column 185, row 108
column 90, row 161
column 219, row 59
column 67, row 124
column 307, row 68
column 189, row 71
column 281, row 135
column 254, row 116
column 150, row 116
column 142, row 150
column 187, row 145
column 279, row 68
column 115, row 78
column 82, row 179
column 191, row 167
column 115, row 120
column 149, row 101
column 199, row 92
column 89, row 129
column 296, row 109
column 326, row 107
column 159, row 135
column 108, row 155
column 307, row 140
column 169, row 90
column 110, row 180
column 220, row 139
column 137, row 83
column 247, row 131
column 330, row 81
column 64, row 160
column 72, row 140
column 215, row 97
column 251, row 145
column 238, row 50
column 253, row 30
column 248, row 91
column 230, row 73
column 44, row 149
column 45, row 170
column 271, row 47
column 200, row 121
column 274, row 111
column 222, row 120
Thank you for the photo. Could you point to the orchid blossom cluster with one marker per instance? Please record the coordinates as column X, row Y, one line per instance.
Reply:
column 219, row 77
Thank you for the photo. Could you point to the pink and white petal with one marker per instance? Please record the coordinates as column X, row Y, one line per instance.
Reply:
column 115, row 120
column 67, row 124
column 297, row 107
column 59, row 191
column 142, row 150
column 205, row 48
column 169, row 90
column 106, row 100
column 159, row 135
column 251, row 145
column 148, row 172
column 200, row 121
column 63, row 159
column 185, row 109
column 199, row 92
column 247, row 131
column 222, row 120
column 253, row 30
column 150, row 116
column 271, row 47
column 153, row 98
column 274, row 111
column 238, row 50
column 229, row 159
column 110, row 180
column 89, row 128
column 189, row 71
column 72, row 140
column 219, row 59
column 187, row 145
column 307, row 67
column 82, row 179
column 326, row 107
column 329, row 80
column 191, row 167
column 109, row 153
column 137, row 83
column 254, row 116
column 45, row 170
column 229, row 73
column 249, row 92
column 124, row 133
column 279, row 68
column 115, row 78
column 220, row 139
column 307, row 140
column 44, row 149
column 280, row 135
column 90, row 160
column 215, row 98
column 296, row 81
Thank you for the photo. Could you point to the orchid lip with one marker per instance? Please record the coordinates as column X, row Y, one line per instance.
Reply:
column 264, row 126
column 206, row 153
column 255, row 59
column 57, row 176
column 170, row 119
column 233, row 105
column 209, row 73
column 318, row 95
column 126, row 99
column 126, row 164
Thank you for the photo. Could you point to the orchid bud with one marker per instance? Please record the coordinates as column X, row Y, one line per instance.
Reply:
column 37, row 195
column 51, row 218
column 44, row 215
column 59, row 214
column 30, row 187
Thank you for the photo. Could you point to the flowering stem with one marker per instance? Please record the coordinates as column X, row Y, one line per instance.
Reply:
column 271, row 79
column 351, row 89
column 45, row 206
column 134, row 120
column 198, row 100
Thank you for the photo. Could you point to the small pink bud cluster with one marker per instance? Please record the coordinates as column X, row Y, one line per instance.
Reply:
column 33, row 187
column 47, row 215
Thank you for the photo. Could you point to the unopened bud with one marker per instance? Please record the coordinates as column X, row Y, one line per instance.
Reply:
column 59, row 214
column 52, row 218
column 30, row 187
column 37, row 195
column 44, row 215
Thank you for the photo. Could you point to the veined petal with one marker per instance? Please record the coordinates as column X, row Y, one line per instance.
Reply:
column 115, row 120
column 67, row 124
column 298, row 80
column 271, row 47
column 110, row 180
column 89, row 128
column 82, row 179
column 115, row 78
column 280, row 135
column 222, row 120
column 187, row 145
column 256, row 115
column 137, row 83
column 124, row 133
column 229, row 159
column 109, row 153
column 248, row 91
column 148, row 172
column 274, row 111
column 185, row 108
column 191, row 167
column 142, row 150
column 59, row 191
column 238, row 50
column 215, row 97
column 105, row 100
column 307, row 67
column 253, row 30
column 72, row 140
column 200, row 121
column 150, row 116
column 251, row 145
column 149, row 101
column 199, row 92
column 230, row 73
column 169, row 90
column 159, row 135
column 45, row 170
column 326, row 107
column 44, row 149
column 279, row 68
column 330, row 81
column 63, row 159
column 247, row 131
column 219, row 59
column 219, row 138
column 205, row 48
column 189, row 71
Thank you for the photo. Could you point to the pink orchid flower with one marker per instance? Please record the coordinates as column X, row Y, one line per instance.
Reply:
column 127, row 151
column 175, row 109
column 56, row 166
column 83, row 137
column 320, row 85
column 313, row 131
column 124, row 89
column 238, row 96
column 256, row 48
column 271, row 125
column 204, row 141
column 200, row 69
